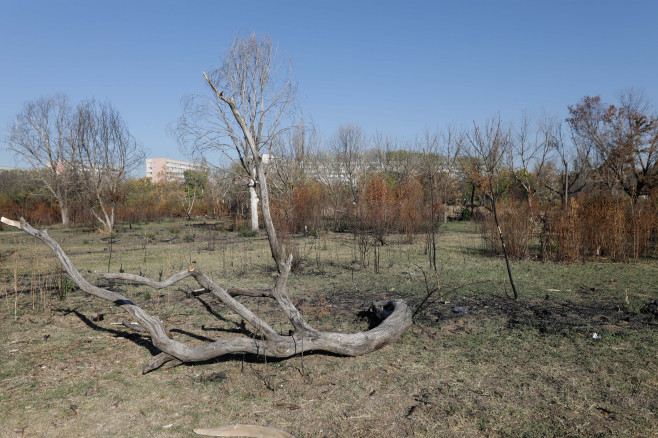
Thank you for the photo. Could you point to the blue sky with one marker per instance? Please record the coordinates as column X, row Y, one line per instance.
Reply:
column 394, row 67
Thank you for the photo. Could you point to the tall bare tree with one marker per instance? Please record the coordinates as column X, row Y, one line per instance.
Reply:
column 260, row 84
column 436, row 168
column 528, row 156
column 574, row 165
column 107, row 152
column 348, row 147
column 489, row 143
column 43, row 135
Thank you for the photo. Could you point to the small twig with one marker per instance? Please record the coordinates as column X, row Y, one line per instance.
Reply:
column 303, row 370
column 429, row 292
column 357, row 289
column 426, row 304
column 262, row 378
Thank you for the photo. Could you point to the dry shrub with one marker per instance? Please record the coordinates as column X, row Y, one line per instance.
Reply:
column 296, row 211
column 600, row 226
column 376, row 208
column 132, row 213
column 410, row 199
column 43, row 213
column 561, row 238
column 518, row 226
column 643, row 227
column 308, row 207
column 38, row 211
column 299, row 210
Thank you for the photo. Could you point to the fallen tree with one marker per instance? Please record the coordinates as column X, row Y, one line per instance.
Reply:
column 395, row 315
column 264, row 341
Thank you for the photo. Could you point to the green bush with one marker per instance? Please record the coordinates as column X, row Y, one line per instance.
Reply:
column 66, row 286
column 246, row 232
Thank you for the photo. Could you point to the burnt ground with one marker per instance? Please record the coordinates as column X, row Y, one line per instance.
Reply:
column 548, row 315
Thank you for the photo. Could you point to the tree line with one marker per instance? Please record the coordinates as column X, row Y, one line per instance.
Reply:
column 554, row 189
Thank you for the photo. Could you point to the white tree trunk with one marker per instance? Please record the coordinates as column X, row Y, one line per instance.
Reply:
column 253, row 205
column 108, row 222
column 65, row 213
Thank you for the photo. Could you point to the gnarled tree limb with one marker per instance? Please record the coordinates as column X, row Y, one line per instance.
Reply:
column 268, row 343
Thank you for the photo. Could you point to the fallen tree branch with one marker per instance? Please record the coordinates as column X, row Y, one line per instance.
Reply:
column 396, row 317
column 138, row 279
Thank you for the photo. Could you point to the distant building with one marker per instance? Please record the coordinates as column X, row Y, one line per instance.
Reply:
column 166, row 169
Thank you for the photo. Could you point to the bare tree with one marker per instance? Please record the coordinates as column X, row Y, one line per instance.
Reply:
column 193, row 188
column 489, row 143
column 218, row 187
column 107, row 152
column 439, row 152
column 338, row 170
column 348, row 147
column 383, row 146
column 44, row 136
column 429, row 167
column 295, row 158
column 527, row 157
column 625, row 139
column 265, row 341
column 574, row 161
column 261, row 86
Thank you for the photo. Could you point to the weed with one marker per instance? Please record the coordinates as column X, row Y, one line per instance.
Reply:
column 246, row 232
column 66, row 286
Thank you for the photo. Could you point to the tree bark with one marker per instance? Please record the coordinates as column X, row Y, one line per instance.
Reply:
column 64, row 209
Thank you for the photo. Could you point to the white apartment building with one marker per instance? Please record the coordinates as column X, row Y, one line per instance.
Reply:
column 166, row 169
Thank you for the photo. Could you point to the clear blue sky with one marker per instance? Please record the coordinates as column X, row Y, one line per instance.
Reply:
column 394, row 67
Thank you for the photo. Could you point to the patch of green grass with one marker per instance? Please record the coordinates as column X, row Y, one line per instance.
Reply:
column 246, row 232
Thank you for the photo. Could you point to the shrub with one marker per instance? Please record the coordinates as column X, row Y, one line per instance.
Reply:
column 518, row 227
column 246, row 232
column 600, row 226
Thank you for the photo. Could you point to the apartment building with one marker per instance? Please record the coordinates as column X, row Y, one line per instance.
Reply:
column 166, row 169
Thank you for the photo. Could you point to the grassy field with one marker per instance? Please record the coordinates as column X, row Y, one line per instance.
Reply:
column 529, row 367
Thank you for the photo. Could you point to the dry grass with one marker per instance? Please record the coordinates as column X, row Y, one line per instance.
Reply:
column 529, row 367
